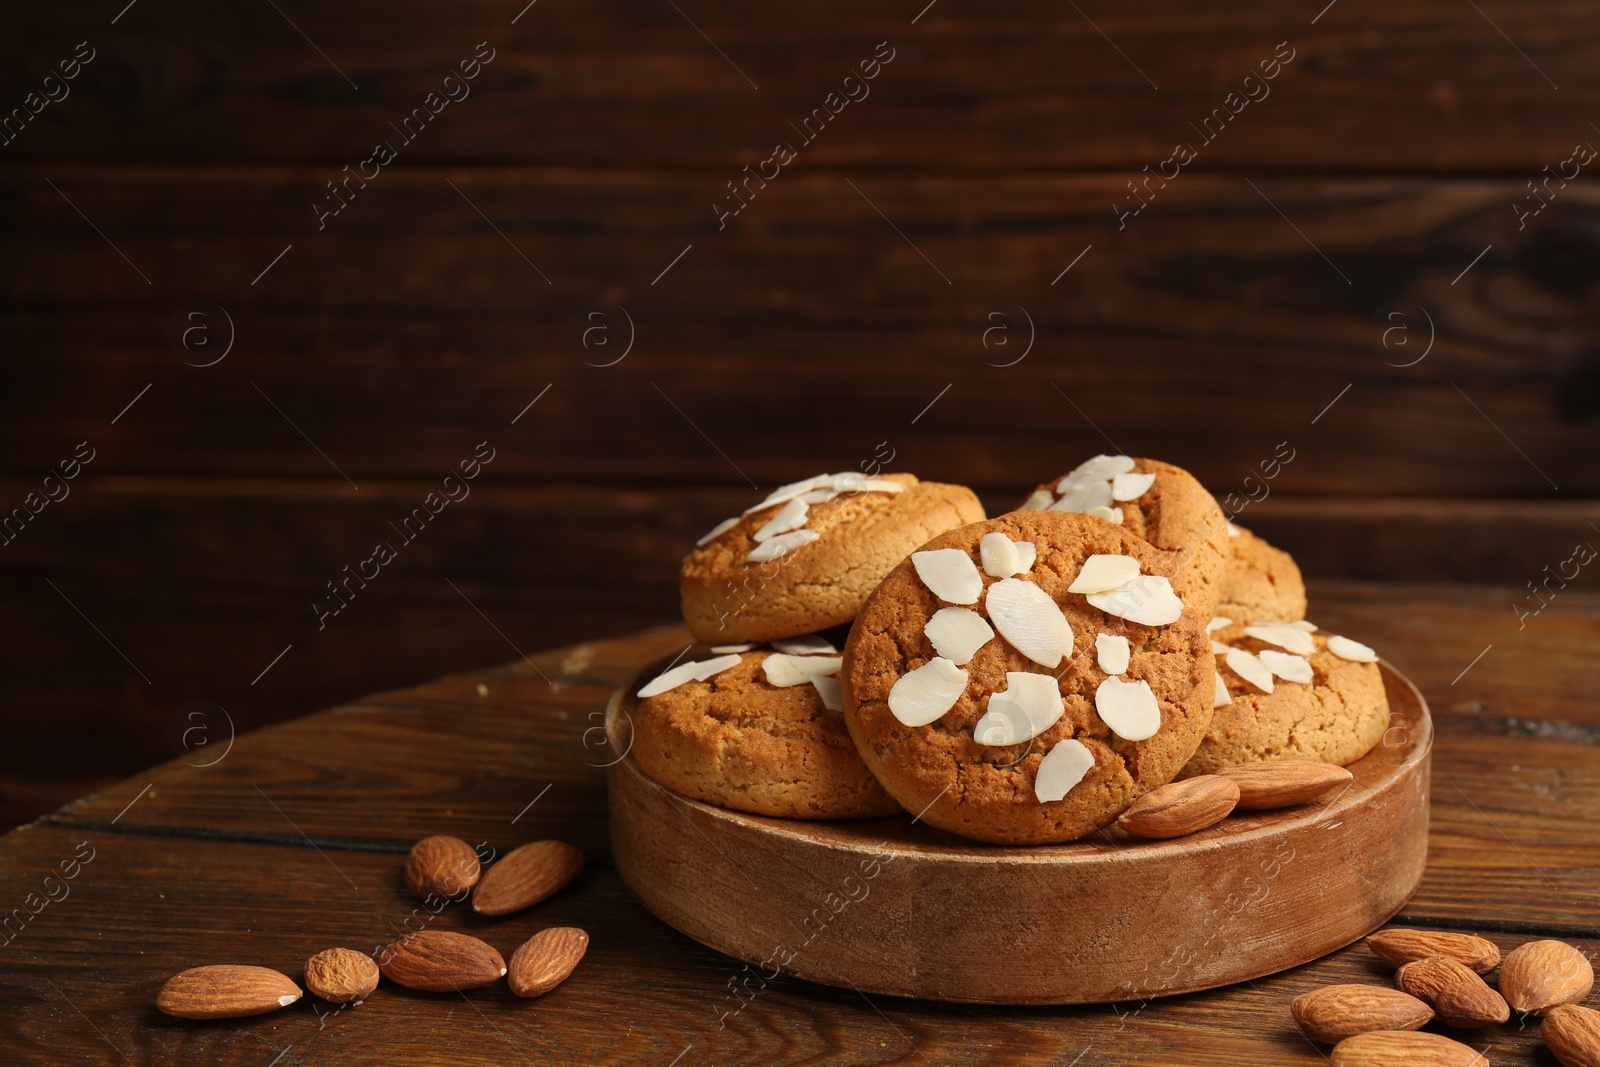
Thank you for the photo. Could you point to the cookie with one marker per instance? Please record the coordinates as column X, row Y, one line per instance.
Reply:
column 736, row 740
column 1323, row 705
column 805, row 558
column 1159, row 502
column 993, row 701
column 1263, row 583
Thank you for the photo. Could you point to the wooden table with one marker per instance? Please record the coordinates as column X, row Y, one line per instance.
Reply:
column 293, row 842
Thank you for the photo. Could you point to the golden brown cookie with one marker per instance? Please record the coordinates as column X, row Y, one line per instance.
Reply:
column 1159, row 502
column 1329, row 707
column 806, row 558
column 1263, row 582
column 967, row 640
column 735, row 740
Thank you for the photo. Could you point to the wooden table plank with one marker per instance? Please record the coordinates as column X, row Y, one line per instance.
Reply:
column 82, row 976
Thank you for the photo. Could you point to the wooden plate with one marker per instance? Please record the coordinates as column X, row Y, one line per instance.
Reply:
column 896, row 907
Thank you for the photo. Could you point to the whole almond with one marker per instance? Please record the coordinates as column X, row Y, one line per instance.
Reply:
column 1336, row 1012
column 440, row 961
column 1542, row 975
column 1458, row 996
column 1404, row 1048
column 441, row 866
column 526, row 876
column 1179, row 808
column 1573, row 1034
column 1280, row 783
column 342, row 975
column 226, row 991
column 1400, row 946
column 545, row 959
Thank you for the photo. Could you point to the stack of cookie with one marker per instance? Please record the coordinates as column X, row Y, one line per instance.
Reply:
column 877, row 646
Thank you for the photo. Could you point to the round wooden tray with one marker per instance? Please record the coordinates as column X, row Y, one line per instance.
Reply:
column 897, row 907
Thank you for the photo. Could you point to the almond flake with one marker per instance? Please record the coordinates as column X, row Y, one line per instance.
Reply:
column 925, row 694
column 791, row 516
column 718, row 530
column 785, row 493
column 1129, row 708
column 1062, row 768
column 1130, row 486
column 1221, row 695
column 1250, row 669
column 949, row 574
column 1218, row 622
column 1147, row 600
column 817, row 496
column 1111, row 515
column 1027, row 553
column 1305, row 624
column 686, row 672
column 1085, row 498
column 1111, row 652
column 783, row 670
column 958, row 633
column 1102, row 573
column 1028, row 706
column 1038, row 501
column 773, row 547
column 723, row 650
column 1032, row 622
column 1101, row 468
column 830, row 691
column 999, row 554
column 1285, row 665
column 1283, row 635
column 852, row 482
column 1219, row 648
column 1353, row 651
column 805, row 645
column 1233, row 531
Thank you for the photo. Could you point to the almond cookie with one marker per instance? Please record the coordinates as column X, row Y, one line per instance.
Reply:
column 1285, row 691
column 757, row 731
column 1023, row 680
column 805, row 558
column 1161, row 503
column 1263, row 582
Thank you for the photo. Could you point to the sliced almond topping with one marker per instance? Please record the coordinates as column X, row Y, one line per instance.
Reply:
column 773, row 547
column 958, row 633
column 708, row 667
column 1147, row 600
column 1027, row 553
column 817, row 496
column 1111, row 652
column 1038, row 501
column 1062, row 768
column 1286, row 665
column 829, row 689
column 718, row 530
column 1250, row 669
column 1233, row 531
column 949, row 574
column 1085, row 498
column 1221, row 695
column 1028, row 706
column 805, row 645
column 852, row 482
column 1027, row 617
column 1354, row 651
column 723, row 650
column 791, row 516
column 1219, row 648
column 782, row 670
column 1218, row 622
column 687, row 672
column 1305, row 624
column 1102, row 573
column 1283, row 635
column 1130, row 486
column 1101, row 468
column 1129, row 708
column 925, row 694
column 999, row 554
column 785, row 493
column 1111, row 515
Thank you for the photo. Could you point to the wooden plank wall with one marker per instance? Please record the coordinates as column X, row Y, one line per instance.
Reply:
column 1385, row 254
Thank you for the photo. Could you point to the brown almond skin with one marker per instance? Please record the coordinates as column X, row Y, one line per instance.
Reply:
column 1542, row 975
column 525, row 876
column 341, row 975
column 442, row 866
column 1572, row 1033
column 1335, row 1012
column 1282, row 783
column 1404, row 1048
column 226, row 991
column 1180, row 808
column 1400, row 946
column 1458, row 996
column 440, row 961
column 545, row 960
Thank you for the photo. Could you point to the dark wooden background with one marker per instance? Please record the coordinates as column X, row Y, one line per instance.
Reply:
column 1308, row 256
